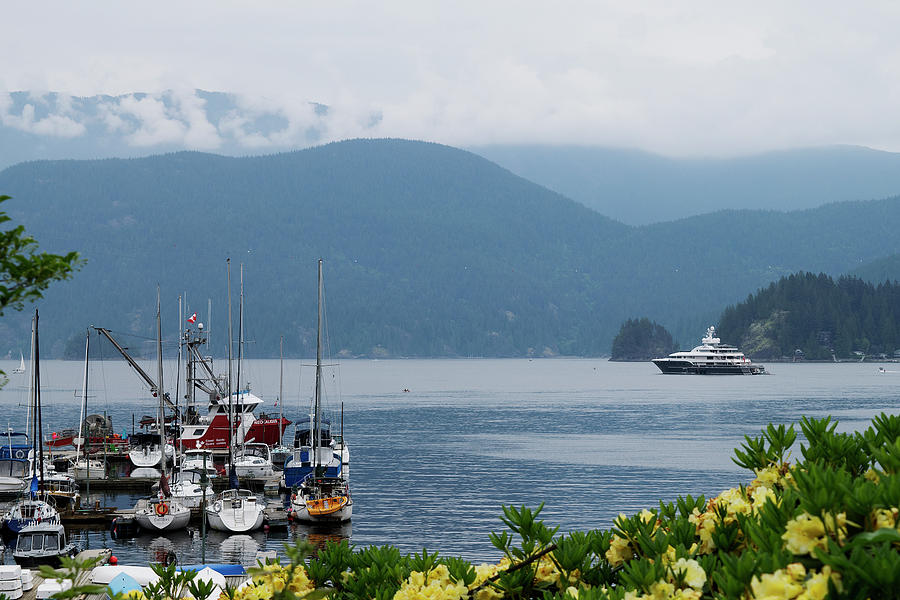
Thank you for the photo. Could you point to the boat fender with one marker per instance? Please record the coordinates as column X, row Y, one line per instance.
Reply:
column 162, row 509
column 217, row 506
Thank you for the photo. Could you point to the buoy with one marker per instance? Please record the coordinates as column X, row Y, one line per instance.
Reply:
column 113, row 560
column 265, row 528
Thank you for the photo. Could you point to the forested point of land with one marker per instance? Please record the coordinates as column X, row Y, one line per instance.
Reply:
column 815, row 317
column 641, row 339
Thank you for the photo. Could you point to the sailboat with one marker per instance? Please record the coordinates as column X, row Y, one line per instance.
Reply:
column 322, row 498
column 21, row 368
column 31, row 508
column 84, row 467
column 234, row 510
column 161, row 513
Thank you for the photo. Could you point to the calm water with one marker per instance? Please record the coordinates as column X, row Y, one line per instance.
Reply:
column 431, row 467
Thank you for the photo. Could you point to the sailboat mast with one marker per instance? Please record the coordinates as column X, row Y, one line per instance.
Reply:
column 161, row 420
column 177, row 439
column 318, row 396
column 84, row 395
column 28, row 415
column 230, row 427
column 39, row 433
column 280, row 387
column 240, row 360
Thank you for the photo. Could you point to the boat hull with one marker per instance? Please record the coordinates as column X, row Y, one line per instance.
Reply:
column 171, row 521
column 301, row 513
column 686, row 367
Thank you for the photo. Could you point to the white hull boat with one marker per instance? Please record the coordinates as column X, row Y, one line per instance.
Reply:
column 83, row 469
column 187, row 489
column 323, row 500
column 255, row 462
column 237, row 511
column 162, row 514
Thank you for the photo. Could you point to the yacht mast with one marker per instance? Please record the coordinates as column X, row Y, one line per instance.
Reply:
column 161, row 419
column 230, row 427
column 280, row 387
column 84, row 395
column 39, row 425
column 240, row 360
column 318, row 395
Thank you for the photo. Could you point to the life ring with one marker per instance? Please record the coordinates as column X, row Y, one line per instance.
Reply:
column 20, row 454
column 162, row 509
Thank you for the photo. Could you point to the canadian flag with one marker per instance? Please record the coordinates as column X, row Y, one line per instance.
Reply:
column 192, row 318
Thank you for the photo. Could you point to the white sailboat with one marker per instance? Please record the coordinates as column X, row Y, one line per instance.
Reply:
column 31, row 508
column 21, row 368
column 234, row 510
column 161, row 513
column 237, row 511
column 83, row 467
column 321, row 498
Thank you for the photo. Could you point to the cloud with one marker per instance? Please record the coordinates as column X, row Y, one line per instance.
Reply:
column 54, row 124
column 690, row 78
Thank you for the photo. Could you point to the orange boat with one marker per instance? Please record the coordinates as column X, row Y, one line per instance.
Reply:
column 326, row 506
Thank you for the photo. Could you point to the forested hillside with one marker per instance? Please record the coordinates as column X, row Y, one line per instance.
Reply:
column 818, row 316
column 638, row 187
column 429, row 251
column 880, row 270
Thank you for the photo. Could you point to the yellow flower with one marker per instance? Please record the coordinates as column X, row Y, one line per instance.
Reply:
column 761, row 495
column 777, row 585
column 661, row 590
column 619, row 551
column 767, row 477
column 816, row 587
column 884, row 517
column 694, row 575
column 705, row 530
column 688, row 594
column 797, row 571
column 872, row 475
column 804, row 533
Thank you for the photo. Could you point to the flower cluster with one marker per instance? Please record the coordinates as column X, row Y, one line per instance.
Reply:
column 436, row 584
column 794, row 583
column 273, row 579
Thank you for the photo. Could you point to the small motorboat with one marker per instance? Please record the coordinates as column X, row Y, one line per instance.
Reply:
column 42, row 543
column 28, row 511
column 255, row 461
column 236, row 511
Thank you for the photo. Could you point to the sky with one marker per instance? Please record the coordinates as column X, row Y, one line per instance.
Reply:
column 692, row 78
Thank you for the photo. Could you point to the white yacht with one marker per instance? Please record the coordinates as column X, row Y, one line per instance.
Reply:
column 254, row 461
column 198, row 460
column 712, row 357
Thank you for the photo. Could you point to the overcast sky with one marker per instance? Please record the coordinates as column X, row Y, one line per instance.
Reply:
column 679, row 78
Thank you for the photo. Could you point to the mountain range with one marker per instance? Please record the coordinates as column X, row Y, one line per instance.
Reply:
column 429, row 251
column 628, row 185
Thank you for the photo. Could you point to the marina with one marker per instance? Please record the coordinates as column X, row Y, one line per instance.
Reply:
column 619, row 435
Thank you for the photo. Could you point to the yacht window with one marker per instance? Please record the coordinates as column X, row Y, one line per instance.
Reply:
column 51, row 542
column 198, row 432
column 37, row 542
column 24, row 543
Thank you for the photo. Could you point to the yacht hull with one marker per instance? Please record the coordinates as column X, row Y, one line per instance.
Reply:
column 685, row 367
